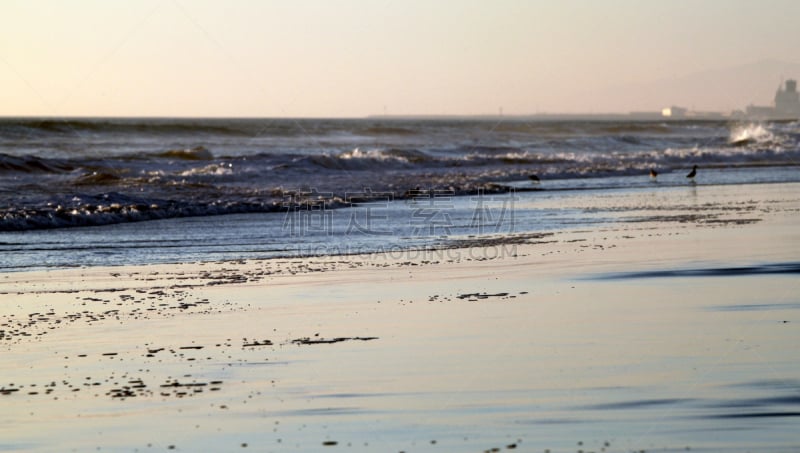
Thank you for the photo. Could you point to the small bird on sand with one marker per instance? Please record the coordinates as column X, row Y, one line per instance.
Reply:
column 533, row 178
column 692, row 173
column 653, row 173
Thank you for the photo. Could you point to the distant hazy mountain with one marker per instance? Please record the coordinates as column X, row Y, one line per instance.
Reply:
column 723, row 89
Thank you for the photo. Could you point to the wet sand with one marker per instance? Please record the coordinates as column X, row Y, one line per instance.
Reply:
column 661, row 334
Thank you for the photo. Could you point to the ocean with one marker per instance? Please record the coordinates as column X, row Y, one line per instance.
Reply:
column 76, row 192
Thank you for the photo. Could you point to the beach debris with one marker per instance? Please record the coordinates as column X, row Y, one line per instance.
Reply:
column 307, row 340
column 476, row 296
column 254, row 343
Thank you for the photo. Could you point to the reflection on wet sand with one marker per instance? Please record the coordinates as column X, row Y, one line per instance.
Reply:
column 630, row 336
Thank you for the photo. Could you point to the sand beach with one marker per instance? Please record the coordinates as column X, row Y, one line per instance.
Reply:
column 674, row 332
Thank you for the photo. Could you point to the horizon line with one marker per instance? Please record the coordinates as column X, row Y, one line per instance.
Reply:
column 633, row 115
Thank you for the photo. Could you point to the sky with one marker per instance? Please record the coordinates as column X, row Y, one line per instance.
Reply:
column 351, row 58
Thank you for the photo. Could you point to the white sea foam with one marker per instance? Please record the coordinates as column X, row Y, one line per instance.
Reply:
column 209, row 170
column 358, row 154
column 751, row 133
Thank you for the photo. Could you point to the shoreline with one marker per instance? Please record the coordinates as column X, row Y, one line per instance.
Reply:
column 397, row 228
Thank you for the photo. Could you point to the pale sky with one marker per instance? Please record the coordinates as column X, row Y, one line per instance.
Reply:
column 343, row 58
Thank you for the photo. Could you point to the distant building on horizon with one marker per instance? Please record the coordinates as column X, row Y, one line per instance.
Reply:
column 785, row 107
column 787, row 104
column 682, row 113
column 674, row 112
column 787, row 101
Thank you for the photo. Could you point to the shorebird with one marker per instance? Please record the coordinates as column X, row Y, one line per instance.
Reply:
column 692, row 173
column 653, row 173
column 533, row 178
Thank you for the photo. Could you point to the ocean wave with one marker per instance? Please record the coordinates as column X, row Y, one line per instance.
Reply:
column 330, row 162
column 752, row 134
column 392, row 154
column 196, row 153
column 96, row 178
column 221, row 169
column 33, row 164
column 372, row 159
column 523, row 157
column 377, row 160
column 730, row 155
column 81, row 127
column 114, row 208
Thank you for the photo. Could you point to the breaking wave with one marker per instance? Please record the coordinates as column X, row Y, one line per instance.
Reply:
column 373, row 159
column 116, row 208
column 751, row 134
column 209, row 170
